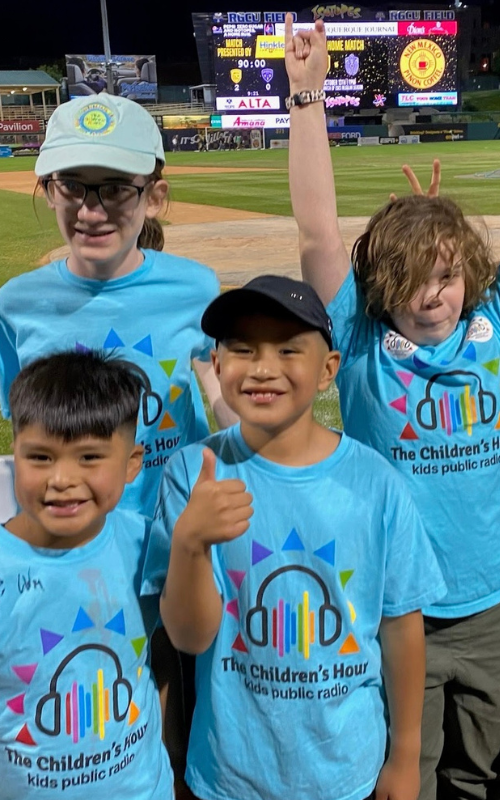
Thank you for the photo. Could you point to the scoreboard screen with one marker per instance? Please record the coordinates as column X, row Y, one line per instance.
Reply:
column 372, row 64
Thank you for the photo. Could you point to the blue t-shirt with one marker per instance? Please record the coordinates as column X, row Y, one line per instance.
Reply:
column 289, row 696
column 434, row 413
column 79, row 710
column 150, row 317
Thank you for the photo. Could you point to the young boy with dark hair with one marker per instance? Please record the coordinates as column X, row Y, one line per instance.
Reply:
column 80, row 714
column 298, row 565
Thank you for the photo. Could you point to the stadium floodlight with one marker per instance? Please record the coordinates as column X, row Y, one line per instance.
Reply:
column 107, row 47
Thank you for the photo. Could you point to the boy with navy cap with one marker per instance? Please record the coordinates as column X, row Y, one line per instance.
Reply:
column 297, row 564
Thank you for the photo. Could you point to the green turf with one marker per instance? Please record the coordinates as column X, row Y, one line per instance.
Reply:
column 19, row 164
column 482, row 101
column 365, row 176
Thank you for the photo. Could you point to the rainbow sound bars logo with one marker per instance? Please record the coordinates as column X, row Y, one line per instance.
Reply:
column 448, row 410
column 298, row 623
column 453, row 412
column 84, row 710
column 73, row 708
column 293, row 629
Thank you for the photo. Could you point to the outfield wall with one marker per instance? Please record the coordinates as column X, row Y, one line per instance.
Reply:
column 189, row 139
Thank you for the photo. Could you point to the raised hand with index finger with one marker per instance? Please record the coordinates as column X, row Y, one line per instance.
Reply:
column 306, row 57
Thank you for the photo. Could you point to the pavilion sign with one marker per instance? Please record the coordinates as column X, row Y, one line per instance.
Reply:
column 20, row 126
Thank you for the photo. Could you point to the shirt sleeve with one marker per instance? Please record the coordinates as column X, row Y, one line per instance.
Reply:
column 211, row 291
column 173, row 495
column 352, row 329
column 9, row 364
column 413, row 579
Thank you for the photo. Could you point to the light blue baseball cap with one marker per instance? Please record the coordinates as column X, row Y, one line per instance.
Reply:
column 101, row 131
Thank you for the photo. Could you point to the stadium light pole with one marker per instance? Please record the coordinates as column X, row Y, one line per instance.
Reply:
column 107, row 47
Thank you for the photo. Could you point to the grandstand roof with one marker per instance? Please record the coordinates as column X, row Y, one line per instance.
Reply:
column 28, row 80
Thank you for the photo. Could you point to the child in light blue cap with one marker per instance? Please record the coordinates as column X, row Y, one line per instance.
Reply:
column 100, row 167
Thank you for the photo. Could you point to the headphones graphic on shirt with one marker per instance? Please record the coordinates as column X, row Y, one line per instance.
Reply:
column 259, row 611
column 427, row 406
column 147, row 395
column 54, row 696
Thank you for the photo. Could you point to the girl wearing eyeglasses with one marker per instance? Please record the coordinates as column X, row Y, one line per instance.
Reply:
column 100, row 167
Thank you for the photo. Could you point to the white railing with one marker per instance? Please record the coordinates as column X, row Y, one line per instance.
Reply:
column 156, row 110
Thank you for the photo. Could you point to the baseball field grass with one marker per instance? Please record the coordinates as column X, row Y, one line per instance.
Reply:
column 365, row 176
column 364, row 179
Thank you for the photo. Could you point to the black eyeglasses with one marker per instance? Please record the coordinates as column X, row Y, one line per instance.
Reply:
column 70, row 193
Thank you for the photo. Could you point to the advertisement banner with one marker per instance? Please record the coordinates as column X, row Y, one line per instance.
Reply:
column 133, row 76
column 255, row 121
column 20, row 126
column 428, row 99
column 434, row 132
column 186, row 121
column 203, row 139
column 248, row 103
column 184, row 139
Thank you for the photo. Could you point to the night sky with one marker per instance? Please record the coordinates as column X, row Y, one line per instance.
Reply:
column 35, row 32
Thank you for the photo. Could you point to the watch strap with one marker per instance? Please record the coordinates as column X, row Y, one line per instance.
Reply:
column 305, row 97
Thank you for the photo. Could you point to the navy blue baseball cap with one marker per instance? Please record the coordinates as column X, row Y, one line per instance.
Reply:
column 296, row 298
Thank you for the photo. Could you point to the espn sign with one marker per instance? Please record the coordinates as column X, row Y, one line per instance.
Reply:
column 20, row 126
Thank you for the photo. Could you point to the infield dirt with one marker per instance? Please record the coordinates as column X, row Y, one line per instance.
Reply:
column 237, row 244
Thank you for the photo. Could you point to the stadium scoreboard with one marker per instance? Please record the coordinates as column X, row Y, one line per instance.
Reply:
column 408, row 58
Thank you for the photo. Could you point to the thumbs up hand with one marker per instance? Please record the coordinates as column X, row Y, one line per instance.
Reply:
column 217, row 511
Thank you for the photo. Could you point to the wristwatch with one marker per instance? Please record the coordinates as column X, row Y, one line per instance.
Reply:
column 302, row 98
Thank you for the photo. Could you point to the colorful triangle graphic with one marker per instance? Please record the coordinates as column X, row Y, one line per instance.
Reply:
column 144, row 346
column 49, row 640
column 497, row 426
column 419, row 364
column 351, row 611
column 259, row 552
column 82, row 621
column 345, row 576
column 168, row 366
column 399, row 404
column 133, row 713
column 232, row 608
column 26, row 672
column 167, row 422
column 405, row 377
column 113, row 340
column 327, row 552
column 470, row 352
column 25, row 737
column 293, row 541
column 492, row 366
column 350, row 646
column 81, row 348
column 240, row 645
column 117, row 623
column 16, row 704
column 408, row 432
column 138, row 644
column 175, row 392
column 236, row 577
